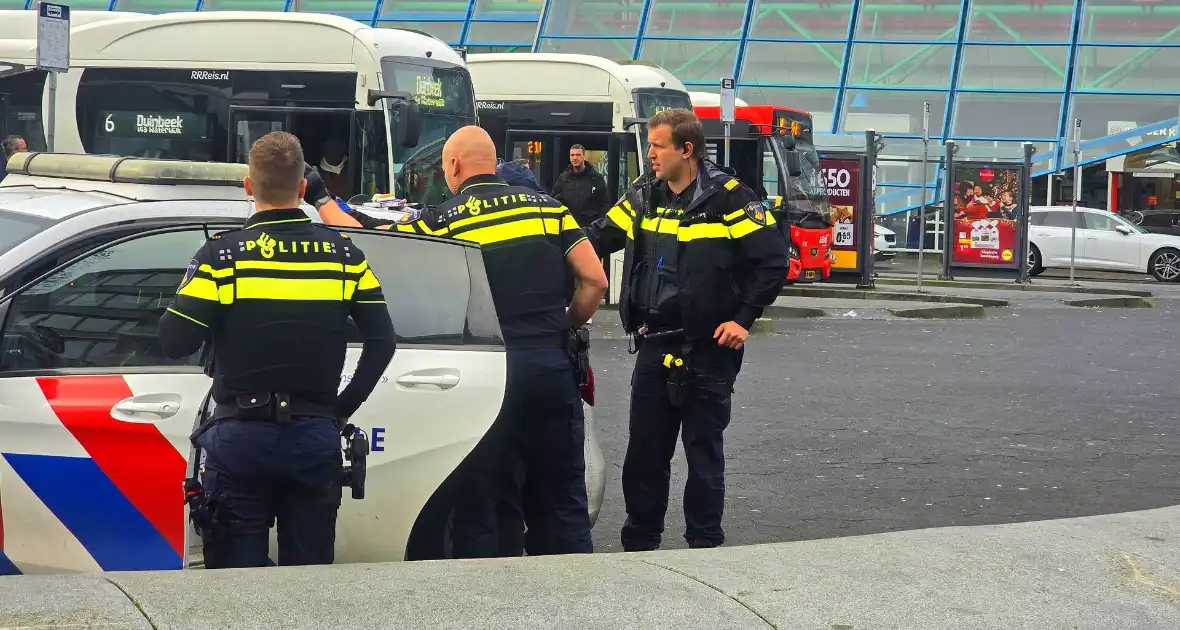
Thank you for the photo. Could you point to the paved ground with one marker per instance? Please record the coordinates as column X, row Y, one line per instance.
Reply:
column 850, row 426
column 907, row 264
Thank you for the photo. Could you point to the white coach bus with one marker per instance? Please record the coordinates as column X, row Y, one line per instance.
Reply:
column 537, row 105
column 203, row 86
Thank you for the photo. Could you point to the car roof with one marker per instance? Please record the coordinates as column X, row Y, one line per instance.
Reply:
column 1065, row 209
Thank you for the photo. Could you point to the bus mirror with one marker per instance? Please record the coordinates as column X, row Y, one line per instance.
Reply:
column 629, row 122
column 409, row 125
column 789, row 142
column 794, row 168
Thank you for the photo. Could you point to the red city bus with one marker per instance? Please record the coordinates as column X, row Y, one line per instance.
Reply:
column 772, row 151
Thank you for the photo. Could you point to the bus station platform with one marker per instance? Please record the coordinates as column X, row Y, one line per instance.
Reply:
column 1098, row 572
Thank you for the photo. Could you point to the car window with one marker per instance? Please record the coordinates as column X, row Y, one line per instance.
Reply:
column 1037, row 218
column 16, row 227
column 1060, row 219
column 437, row 292
column 1092, row 221
column 101, row 311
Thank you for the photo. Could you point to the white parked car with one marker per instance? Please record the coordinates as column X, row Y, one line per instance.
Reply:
column 884, row 242
column 1105, row 241
column 95, row 421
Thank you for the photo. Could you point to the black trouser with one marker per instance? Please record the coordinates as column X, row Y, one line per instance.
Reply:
column 655, row 421
column 260, row 472
column 541, row 432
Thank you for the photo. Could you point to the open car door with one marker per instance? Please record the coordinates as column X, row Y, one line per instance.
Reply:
column 437, row 398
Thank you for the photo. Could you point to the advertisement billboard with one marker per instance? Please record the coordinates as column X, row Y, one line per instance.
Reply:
column 842, row 180
column 986, row 207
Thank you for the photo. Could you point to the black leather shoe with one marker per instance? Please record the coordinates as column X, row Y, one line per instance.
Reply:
column 702, row 544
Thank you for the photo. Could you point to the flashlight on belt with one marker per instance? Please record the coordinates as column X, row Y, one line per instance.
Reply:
column 677, row 381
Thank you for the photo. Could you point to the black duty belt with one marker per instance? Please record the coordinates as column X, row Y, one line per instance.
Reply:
column 539, row 342
column 270, row 406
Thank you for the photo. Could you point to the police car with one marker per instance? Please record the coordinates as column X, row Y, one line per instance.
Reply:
column 95, row 420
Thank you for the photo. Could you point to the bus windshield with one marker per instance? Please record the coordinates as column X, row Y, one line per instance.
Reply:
column 805, row 196
column 446, row 102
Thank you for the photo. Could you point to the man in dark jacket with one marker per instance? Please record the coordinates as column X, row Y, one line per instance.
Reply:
column 582, row 189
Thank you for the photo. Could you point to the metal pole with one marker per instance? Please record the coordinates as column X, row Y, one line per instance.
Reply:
column 727, row 145
column 863, row 228
column 948, row 212
column 1022, row 247
column 51, row 117
column 1077, row 191
column 922, row 217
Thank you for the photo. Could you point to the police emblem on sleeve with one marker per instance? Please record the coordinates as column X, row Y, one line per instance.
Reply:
column 756, row 212
column 190, row 272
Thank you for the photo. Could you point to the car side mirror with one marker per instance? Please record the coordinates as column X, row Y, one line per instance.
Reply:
column 1122, row 229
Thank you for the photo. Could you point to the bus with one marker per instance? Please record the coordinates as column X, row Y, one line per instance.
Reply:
column 772, row 150
column 369, row 104
column 537, row 105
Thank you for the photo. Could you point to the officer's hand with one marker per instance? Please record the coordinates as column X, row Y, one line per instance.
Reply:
column 731, row 335
column 316, row 188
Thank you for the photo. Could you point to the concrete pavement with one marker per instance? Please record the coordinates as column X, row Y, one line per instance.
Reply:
column 1117, row 571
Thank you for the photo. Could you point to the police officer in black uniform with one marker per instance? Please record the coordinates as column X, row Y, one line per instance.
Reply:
column 701, row 261
column 273, row 451
column 528, row 240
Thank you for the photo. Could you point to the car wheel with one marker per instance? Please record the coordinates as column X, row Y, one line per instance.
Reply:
column 1164, row 265
column 1034, row 261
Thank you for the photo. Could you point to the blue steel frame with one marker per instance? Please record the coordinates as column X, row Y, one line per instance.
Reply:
column 1045, row 163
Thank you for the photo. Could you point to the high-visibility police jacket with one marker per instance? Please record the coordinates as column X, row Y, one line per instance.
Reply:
column 525, row 236
column 732, row 260
column 275, row 298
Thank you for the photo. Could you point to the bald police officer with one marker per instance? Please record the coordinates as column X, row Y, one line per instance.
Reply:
column 528, row 240
column 273, row 451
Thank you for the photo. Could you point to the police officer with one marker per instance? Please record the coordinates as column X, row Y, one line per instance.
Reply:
column 273, row 451
column 528, row 241
column 701, row 262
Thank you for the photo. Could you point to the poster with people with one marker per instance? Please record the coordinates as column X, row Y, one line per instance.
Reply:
column 986, row 209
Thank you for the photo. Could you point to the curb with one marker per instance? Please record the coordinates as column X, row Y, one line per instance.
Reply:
column 945, row 311
column 898, row 296
column 1012, row 286
column 769, row 313
column 1125, row 301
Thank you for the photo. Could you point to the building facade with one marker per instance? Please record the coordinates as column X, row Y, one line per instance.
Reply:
column 995, row 72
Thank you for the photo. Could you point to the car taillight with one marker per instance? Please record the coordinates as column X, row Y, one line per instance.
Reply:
column 587, row 390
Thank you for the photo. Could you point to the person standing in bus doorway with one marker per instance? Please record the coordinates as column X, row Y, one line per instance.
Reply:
column 335, row 169
column 702, row 259
column 582, row 188
column 529, row 242
column 11, row 145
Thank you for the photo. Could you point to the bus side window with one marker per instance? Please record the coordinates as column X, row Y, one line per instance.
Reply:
column 22, row 94
column 374, row 171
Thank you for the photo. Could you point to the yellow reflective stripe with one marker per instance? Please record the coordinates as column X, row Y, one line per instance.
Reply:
column 499, row 214
column 225, row 294
column 569, row 223
column 419, row 227
column 736, row 214
column 370, row 302
column 349, row 289
column 200, row 289
column 626, row 205
column 510, row 231
column 744, row 227
column 216, row 273
column 571, row 247
column 368, row 281
column 307, row 290
column 703, row 230
column 620, row 218
column 191, row 319
column 357, row 269
column 731, row 184
column 278, row 265
column 661, row 225
column 405, row 227
column 278, row 222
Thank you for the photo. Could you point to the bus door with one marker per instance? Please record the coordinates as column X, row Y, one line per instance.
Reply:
column 538, row 151
column 316, row 127
column 3, row 115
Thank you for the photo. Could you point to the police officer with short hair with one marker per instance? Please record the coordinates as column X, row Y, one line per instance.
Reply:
column 273, row 449
column 528, row 240
column 701, row 261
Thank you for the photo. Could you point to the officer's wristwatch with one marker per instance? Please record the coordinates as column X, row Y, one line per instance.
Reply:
column 319, row 203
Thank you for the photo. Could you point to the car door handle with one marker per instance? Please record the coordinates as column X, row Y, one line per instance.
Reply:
column 441, row 380
column 147, row 408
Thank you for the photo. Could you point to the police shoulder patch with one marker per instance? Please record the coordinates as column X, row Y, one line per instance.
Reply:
column 756, row 212
column 190, row 272
column 731, row 184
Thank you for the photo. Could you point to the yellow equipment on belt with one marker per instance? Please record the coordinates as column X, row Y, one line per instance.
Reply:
column 673, row 361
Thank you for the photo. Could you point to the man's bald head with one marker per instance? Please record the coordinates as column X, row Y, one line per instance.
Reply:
column 467, row 153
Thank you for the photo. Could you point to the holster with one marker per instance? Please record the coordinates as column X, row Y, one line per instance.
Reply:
column 679, row 379
column 578, row 349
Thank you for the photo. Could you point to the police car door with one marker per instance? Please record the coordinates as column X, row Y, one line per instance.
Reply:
column 439, row 395
column 94, row 420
